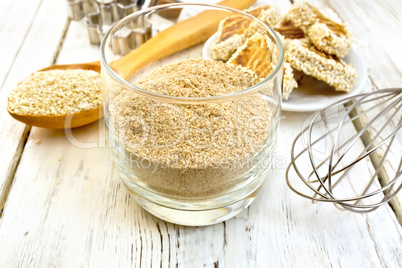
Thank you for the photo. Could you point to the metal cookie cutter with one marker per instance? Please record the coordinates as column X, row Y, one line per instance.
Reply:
column 131, row 36
column 79, row 8
column 100, row 15
column 107, row 14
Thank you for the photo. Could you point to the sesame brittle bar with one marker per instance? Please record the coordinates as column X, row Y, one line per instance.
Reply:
column 325, row 34
column 289, row 81
column 235, row 30
column 255, row 54
column 320, row 65
column 258, row 55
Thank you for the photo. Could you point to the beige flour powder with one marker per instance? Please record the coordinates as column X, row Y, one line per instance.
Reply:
column 191, row 150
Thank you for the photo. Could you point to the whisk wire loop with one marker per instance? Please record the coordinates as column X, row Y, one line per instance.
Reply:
column 368, row 122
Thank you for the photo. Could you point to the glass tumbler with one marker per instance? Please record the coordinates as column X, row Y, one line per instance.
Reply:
column 192, row 132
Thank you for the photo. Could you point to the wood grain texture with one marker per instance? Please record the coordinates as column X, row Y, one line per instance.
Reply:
column 16, row 19
column 29, row 43
column 68, row 208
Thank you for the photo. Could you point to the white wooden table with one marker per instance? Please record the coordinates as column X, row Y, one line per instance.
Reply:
column 63, row 205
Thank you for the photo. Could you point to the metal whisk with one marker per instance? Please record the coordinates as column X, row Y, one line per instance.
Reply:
column 332, row 153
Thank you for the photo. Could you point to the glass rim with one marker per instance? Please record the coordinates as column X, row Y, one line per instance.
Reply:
column 189, row 100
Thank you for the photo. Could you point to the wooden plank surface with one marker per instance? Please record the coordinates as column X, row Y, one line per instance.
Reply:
column 12, row 133
column 68, row 208
column 31, row 31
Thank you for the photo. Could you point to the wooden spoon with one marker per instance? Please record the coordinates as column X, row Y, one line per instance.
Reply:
column 180, row 36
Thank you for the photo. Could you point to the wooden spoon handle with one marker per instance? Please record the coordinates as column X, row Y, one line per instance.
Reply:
column 175, row 38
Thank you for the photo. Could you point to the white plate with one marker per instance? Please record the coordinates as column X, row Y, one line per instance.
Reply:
column 312, row 94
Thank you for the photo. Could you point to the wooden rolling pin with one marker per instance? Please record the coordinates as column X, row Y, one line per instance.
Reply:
column 180, row 36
